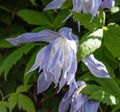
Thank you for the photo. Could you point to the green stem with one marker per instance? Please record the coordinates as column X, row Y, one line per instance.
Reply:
column 6, row 9
column 1, row 95
column 100, row 109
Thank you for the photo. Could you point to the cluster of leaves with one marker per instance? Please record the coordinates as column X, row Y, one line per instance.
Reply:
column 101, row 37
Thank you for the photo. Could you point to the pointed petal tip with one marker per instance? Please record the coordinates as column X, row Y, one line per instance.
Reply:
column 96, row 67
column 45, row 9
column 12, row 41
column 30, row 70
column 55, row 4
column 50, row 8
column 38, row 92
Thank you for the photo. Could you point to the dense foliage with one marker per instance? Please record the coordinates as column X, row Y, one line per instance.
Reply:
column 101, row 37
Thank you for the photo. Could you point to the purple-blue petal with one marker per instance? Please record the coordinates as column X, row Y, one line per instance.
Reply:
column 56, row 74
column 64, row 104
column 38, row 61
column 67, row 32
column 69, row 94
column 73, row 88
column 67, row 99
column 67, row 59
column 47, row 53
column 44, row 35
column 77, row 5
column 75, row 38
column 73, row 65
column 91, row 106
column 108, row 4
column 78, row 102
column 42, row 83
column 56, row 58
column 96, row 67
column 62, row 82
column 55, row 4
column 95, row 9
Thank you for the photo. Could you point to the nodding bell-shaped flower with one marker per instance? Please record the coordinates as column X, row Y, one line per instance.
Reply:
column 57, row 60
column 85, row 6
column 76, row 101
column 96, row 67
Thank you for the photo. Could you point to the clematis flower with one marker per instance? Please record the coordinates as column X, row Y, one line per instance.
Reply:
column 57, row 61
column 85, row 6
column 76, row 101
column 96, row 67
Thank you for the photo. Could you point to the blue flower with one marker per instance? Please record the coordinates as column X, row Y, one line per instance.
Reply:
column 76, row 101
column 96, row 67
column 56, row 61
column 87, row 6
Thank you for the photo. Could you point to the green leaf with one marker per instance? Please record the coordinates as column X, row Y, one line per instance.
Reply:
column 38, row 29
column 100, row 94
column 12, row 101
column 58, row 21
column 2, row 58
column 86, row 77
column 91, row 25
column 29, row 65
column 117, row 2
column 110, row 59
column 22, row 101
column 33, row 2
column 109, row 84
column 6, row 18
column 116, row 108
column 12, row 58
column 112, row 39
column 114, row 17
column 104, row 97
column 3, row 106
column 89, row 89
column 23, row 88
column 25, row 103
column 5, row 44
column 45, row 2
column 34, row 17
column 67, row 4
column 89, row 43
